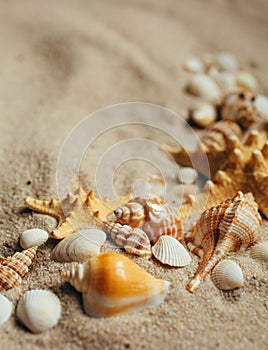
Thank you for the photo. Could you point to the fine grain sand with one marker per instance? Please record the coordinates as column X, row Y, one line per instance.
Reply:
column 60, row 61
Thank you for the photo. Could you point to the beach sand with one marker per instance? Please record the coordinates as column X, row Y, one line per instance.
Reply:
column 61, row 61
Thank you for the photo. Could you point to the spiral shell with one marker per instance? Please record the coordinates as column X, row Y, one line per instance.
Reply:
column 260, row 251
column 6, row 308
column 39, row 310
column 33, row 237
column 113, row 284
column 13, row 268
column 229, row 226
column 154, row 216
column 227, row 275
column 80, row 246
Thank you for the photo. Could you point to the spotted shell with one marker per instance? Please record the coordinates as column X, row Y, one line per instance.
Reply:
column 154, row 216
column 6, row 308
column 260, row 251
column 227, row 275
column 229, row 226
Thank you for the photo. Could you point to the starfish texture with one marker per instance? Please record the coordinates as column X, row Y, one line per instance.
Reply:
column 246, row 171
column 76, row 210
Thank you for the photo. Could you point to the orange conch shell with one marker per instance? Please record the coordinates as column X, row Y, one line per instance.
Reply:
column 13, row 268
column 229, row 226
column 154, row 216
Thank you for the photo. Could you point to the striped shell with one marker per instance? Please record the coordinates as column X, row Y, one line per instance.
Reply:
column 260, row 251
column 13, row 268
column 134, row 241
column 79, row 246
column 39, row 310
column 6, row 308
column 33, row 237
column 154, row 216
column 171, row 252
column 227, row 275
column 229, row 226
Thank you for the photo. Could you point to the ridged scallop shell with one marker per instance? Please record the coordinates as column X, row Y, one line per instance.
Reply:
column 113, row 284
column 229, row 226
column 39, row 310
column 6, row 308
column 171, row 252
column 204, row 86
column 227, row 275
column 260, row 251
column 13, row 268
column 240, row 108
column 154, row 216
column 80, row 246
column 33, row 237
column 134, row 241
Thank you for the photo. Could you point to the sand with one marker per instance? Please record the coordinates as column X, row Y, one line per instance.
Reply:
column 62, row 60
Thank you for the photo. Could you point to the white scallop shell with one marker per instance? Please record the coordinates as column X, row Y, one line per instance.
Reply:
column 204, row 86
column 171, row 252
column 260, row 251
column 33, row 237
column 227, row 275
column 6, row 308
column 39, row 310
column 80, row 246
column 194, row 65
column 187, row 175
column 204, row 115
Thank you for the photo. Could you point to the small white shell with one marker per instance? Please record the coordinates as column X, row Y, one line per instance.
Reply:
column 204, row 86
column 247, row 81
column 261, row 105
column 225, row 80
column 80, row 246
column 260, row 251
column 6, row 308
column 204, row 115
column 171, row 252
column 33, row 237
column 39, row 310
column 187, row 175
column 227, row 275
column 194, row 65
column 228, row 62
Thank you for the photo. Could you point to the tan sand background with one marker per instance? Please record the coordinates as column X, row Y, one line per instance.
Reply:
column 61, row 60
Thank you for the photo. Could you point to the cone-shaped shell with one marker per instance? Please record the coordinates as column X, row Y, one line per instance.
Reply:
column 80, row 246
column 260, row 251
column 5, row 309
column 13, row 268
column 113, row 284
column 227, row 275
column 171, row 252
column 33, row 237
column 39, row 310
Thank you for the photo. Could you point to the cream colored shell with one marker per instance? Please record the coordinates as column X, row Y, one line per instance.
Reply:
column 33, row 237
column 204, row 115
column 260, row 251
column 39, row 310
column 205, row 87
column 6, row 308
column 171, row 252
column 227, row 275
column 80, row 246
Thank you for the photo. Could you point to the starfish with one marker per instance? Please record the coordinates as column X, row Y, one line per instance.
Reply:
column 76, row 210
column 246, row 170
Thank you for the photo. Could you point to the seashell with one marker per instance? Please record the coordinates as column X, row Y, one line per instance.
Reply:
column 239, row 107
column 134, row 241
column 13, row 268
column 227, row 275
column 79, row 246
column 228, row 62
column 261, row 105
column 229, row 226
column 187, row 175
column 194, row 65
column 260, row 251
column 225, row 80
column 246, row 82
column 204, row 115
column 171, row 252
column 157, row 186
column 113, row 284
column 205, row 87
column 39, row 310
column 6, row 308
column 154, row 216
column 33, row 237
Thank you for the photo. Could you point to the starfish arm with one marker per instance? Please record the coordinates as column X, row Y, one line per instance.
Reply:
column 64, row 230
column 49, row 207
